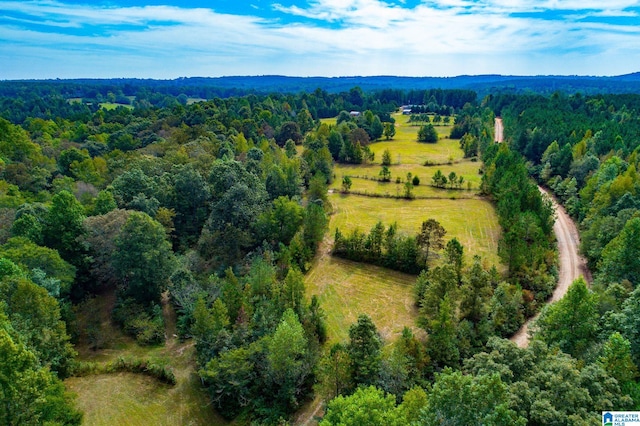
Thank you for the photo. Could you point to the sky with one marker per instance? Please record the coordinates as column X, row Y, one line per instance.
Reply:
column 167, row 39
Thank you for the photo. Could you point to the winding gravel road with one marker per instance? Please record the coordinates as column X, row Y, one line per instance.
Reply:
column 572, row 265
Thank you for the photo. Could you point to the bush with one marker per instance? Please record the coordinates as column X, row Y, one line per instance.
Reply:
column 157, row 370
column 145, row 325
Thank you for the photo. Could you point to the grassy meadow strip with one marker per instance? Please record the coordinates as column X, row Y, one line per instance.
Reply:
column 473, row 221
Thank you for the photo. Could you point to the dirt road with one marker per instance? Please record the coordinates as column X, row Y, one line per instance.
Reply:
column 499, row 130
column 572, row 265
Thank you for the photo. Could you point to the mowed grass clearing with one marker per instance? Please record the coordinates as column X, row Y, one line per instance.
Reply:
column 364, row 178
column 347, row 289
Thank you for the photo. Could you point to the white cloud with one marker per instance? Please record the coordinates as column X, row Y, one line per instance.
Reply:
column 365, row 37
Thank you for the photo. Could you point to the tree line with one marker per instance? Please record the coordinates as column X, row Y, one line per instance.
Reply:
column 386, row 247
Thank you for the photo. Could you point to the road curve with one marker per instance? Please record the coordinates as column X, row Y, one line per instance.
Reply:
column 572, row 265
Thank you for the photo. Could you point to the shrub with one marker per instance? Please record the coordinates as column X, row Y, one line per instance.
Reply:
column 145, row 325
column 157, row 370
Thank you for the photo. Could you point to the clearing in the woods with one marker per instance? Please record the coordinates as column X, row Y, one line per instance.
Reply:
column 347, row 288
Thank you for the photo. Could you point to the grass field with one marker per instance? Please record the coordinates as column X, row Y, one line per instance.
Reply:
column 112, row 105
column 135, row 399
column 467, row 169
column 472, row 221
column 347, row 288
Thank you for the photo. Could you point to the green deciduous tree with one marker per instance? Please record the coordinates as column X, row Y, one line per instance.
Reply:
column 334, row 372
column 389, row 130
column 385, row 174
column 439, row 179
column 572, row 322
column 376, row 129
column 280, row 221
column 386, row 158
column 431, row 237
column 31, row 257
column 617, row 362
column 454, row 252
column 230, row 377
column 189, row 197
column 621, row 257
column 286, row 358
column 28, row 226
column 64, row 228
column 367, row 406
column 346, row 184
column 442, row 345
column 30, row 393
column 507, row 313
column 143, row 258
column 427, row 133
column 462, row 400
column 35, row 315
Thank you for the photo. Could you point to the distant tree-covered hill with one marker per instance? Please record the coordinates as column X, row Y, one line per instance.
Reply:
column 209, row 87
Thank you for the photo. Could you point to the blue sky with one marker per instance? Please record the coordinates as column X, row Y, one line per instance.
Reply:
column 170, row 38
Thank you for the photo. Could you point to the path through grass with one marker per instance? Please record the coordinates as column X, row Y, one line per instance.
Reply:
column 135, row 399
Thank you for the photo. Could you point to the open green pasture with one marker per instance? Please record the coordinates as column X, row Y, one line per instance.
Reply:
column 347, row 289
column 191, row 101
column 135, row 399
column 410, row 151
column 472, row 221
column 364, row 178
column 405, row 148
column 402, row 121
column 112, row 105
column 329, row 121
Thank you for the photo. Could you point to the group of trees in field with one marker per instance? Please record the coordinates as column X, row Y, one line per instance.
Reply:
column 349, row 139
column 440, row 180
column 257, row 337
column 423, row 118
column 389, row 248
column 527, row 244
column 427, row 133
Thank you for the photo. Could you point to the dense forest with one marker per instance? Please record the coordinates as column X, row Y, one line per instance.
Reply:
column 219, row 206
column 229, row 86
